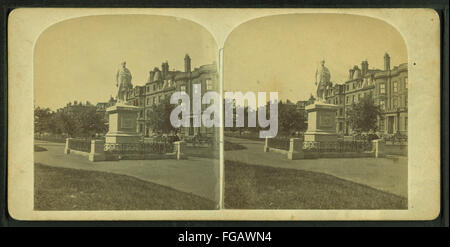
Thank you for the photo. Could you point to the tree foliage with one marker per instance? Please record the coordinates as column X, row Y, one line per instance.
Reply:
column 159, row 116
column 290, row 119
column 362, row 116
column 42, row 120
column 76, row 121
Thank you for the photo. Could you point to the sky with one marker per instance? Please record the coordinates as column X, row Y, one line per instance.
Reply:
column 77, row 59
column 281, row 53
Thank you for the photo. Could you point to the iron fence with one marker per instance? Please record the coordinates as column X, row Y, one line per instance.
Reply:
column 140, row 148
column 280, row 143
column 340, row 146
column 80, row 145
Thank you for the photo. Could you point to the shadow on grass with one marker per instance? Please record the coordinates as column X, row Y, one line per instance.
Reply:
column 39, row 148
column 70, row 189
column 230, row 146
column 259, row 187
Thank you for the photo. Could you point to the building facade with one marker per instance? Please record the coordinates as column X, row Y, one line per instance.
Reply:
column 389, row 89
column 163, row 82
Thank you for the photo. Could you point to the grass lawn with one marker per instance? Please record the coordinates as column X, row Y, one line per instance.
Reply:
column 229, row 146
column 209, row 152
column 259, row 187
column 39, row 148
column 71, row 189
column 201, row 152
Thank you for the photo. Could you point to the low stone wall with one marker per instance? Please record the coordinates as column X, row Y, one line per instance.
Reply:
column 396, row 149
column 296, row 151
column 97, row 152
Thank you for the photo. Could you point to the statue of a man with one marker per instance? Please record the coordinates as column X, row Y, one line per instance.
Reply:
column 322, row 80
column 123, row 82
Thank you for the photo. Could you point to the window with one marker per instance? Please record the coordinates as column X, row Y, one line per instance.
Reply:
column 154, row 87
column 347, row 99
column 382, row 88
column 209, row 85
column 382, row 104
column 406, row 82
column 183, row 88
column 395, row 87
column 406, row 123
column 353, row 99
column 381, row 124
column 395, row 102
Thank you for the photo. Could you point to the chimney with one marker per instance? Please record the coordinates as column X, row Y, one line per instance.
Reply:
column 364, row 67
column 357, row 73
column 187, row 63
column 350, row 74
column 152, row 76
column 387, row 61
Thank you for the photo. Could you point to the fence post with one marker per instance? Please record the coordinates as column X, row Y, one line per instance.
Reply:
column 266, row 145
column 179, row 149
column 378, row 147
column 295, row 149
column 97, row 151
column 67, row 149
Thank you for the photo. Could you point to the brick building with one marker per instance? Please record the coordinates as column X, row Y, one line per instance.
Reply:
column 162, row 82
column 387, row 86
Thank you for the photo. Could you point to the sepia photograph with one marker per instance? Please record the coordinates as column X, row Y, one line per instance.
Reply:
column 102, row 133
column 224, row 114
column 342, row 139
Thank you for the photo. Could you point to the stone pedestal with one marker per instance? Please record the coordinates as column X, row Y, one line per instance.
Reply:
column 179, row 146
column 97, row 151
column 122, row 124
column 296, row 149
column 321, row 123
column 266, row 145
column 378, row 148
column 66, row 148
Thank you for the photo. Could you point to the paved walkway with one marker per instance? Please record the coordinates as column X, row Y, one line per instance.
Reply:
column 387, row 174
column 198, row 176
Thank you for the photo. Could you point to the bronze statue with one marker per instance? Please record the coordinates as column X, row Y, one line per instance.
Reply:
column 322, row 81
column 123, row 82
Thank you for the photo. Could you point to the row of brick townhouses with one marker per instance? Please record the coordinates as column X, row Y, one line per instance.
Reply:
column 388, row 87
column 162, row 83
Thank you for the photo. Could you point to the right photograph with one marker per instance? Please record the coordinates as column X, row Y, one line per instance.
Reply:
column 316, row 114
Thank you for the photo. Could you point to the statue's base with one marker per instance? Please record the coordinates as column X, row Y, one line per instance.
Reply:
column 321, row 122
column 122, row 124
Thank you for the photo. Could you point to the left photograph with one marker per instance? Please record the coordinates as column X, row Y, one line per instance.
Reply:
column 105, row 88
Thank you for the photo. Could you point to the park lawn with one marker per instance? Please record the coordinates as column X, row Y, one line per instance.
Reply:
column 259, row 187
column 210, row 152
column 201, row 152
column 39, row 148
column 71, row 189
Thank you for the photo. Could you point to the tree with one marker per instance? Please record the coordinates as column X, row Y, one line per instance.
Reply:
column 159, row 116
column 290, row 120
column 79, row 121
column 362, row 116
column 66, row 123
column 42, row 120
